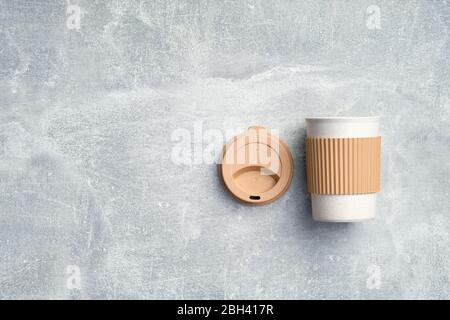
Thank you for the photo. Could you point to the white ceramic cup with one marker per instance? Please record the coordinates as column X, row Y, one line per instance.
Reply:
column 351, row 207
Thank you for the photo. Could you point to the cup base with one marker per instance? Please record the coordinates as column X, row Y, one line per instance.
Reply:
column 344, row 208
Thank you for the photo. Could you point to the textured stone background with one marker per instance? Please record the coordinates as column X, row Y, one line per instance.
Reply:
column 91, row 205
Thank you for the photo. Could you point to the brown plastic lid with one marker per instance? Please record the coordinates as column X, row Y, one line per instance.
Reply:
column 256, row 167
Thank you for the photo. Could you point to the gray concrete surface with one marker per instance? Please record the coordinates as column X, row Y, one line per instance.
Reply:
column 91, row 92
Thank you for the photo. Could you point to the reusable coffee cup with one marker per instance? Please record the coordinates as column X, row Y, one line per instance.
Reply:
column 343, row 167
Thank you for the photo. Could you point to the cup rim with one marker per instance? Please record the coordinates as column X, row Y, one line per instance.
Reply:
column 346, row 119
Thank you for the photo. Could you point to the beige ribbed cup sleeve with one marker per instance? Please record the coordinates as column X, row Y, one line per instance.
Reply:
column 343, row 165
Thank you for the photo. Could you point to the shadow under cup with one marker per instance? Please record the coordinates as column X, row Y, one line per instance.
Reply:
column 343, row 167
